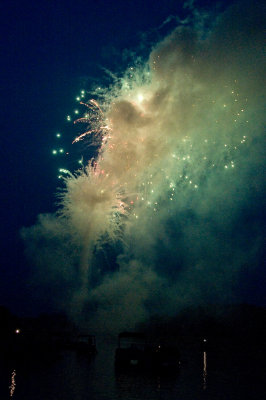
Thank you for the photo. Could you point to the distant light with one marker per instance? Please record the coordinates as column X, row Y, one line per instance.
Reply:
column 17, row 331
column 82, row 91
column 78, row 98
column 61, row 150
column 68, row 118
column 54, row 151
column 58, row 135
column 76, row 111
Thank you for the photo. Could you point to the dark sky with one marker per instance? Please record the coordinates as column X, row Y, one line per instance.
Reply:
column 49, row 51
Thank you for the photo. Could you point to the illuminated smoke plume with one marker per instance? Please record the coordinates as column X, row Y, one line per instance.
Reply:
column 171, row 196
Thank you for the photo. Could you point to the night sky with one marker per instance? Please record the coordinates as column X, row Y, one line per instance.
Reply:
column 50, row 51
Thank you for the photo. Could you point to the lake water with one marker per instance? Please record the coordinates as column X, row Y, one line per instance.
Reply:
column 202, row 375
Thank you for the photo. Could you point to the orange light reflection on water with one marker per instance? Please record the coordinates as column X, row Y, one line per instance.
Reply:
column 12, row 387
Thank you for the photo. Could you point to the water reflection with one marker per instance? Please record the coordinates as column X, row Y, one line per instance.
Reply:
column 73, row 377
column 12, row 387
column 133, row 385
column 204, row 370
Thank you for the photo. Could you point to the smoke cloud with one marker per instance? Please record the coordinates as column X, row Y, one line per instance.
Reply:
column 169, row 214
